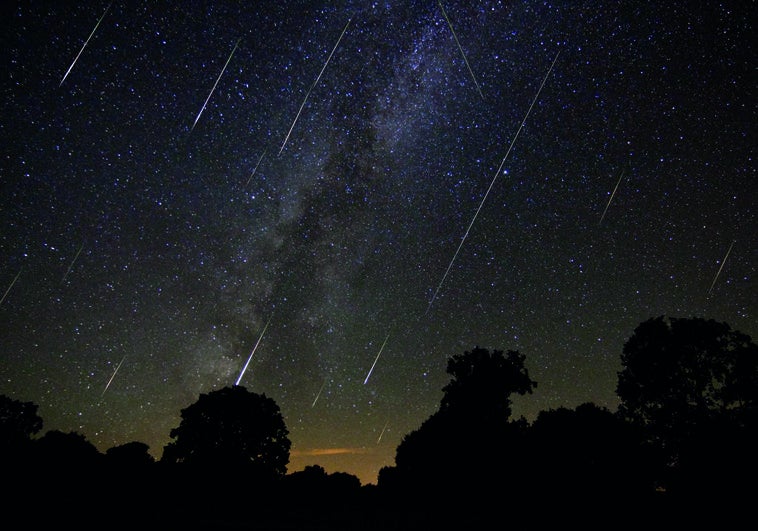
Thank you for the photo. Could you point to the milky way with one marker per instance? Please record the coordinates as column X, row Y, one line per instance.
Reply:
column 144, row 254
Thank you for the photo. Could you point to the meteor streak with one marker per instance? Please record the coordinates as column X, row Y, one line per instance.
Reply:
column 382, row 433
column 313, row 86
column 113, row 376
column 9, row 287
column 720, row 268
column 84, row 45
column 319, row 393
column 377, row 359
column 252, row 352
column 461, row 49
column 71, row 265
column 256, row 167
column 216, row 83
column 611, row 198
column 491, row 184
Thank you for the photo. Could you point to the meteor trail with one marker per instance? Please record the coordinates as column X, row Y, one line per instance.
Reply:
column 71, row 265
column 84, row 45
column 611, row 198
column 216, row 83
column 491, row 184
column 256, row 167
column 113, row 376
column 319, row 393
column 461, row 49
column 252, row 352
column 377, row 359
column 382, row 433
column 720, row 268
column 9, row 287
column 313, row 86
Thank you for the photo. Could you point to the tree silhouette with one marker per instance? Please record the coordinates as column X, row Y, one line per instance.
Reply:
column 229, row 451
column 132, row 455
column 687, row 422
column 587, row 452
column 19, row 422
column 321, row 497
column 483, row 383
column 691, row 385
column 66, row 451
column 48, row 489
column 231, row 428
column 469, row 448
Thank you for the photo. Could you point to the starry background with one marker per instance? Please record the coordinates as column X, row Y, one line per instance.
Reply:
column 148, row 240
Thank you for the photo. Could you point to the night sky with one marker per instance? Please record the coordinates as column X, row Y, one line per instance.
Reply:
column 359, row 180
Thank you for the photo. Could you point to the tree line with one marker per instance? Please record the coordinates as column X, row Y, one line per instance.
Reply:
column 680, row 449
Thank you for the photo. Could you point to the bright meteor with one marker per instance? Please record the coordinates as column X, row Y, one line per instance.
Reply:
column 313, row 86
column 84, row 45
column 113, row 376
column 491, row 184
column 720, row 268
column 382, row 433
column 611, row 198
column 71, row 265
column 242, row 373
column 256, row 167
column 216, row 83
column 450, row 24
column 377, row 359
column 9, row 287
column 318, row 394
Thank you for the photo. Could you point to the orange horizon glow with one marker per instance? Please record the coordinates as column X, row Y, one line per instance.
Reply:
column 328, row 451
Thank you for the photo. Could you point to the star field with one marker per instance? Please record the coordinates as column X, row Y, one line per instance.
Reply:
column 147, row 239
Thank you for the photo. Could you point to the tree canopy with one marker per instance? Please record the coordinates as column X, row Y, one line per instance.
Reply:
column 482, row 383
column 133, row 454
column 690, row 385
column 231, row 427
column 470, row 434
column 19, row 422
column 680, row 372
